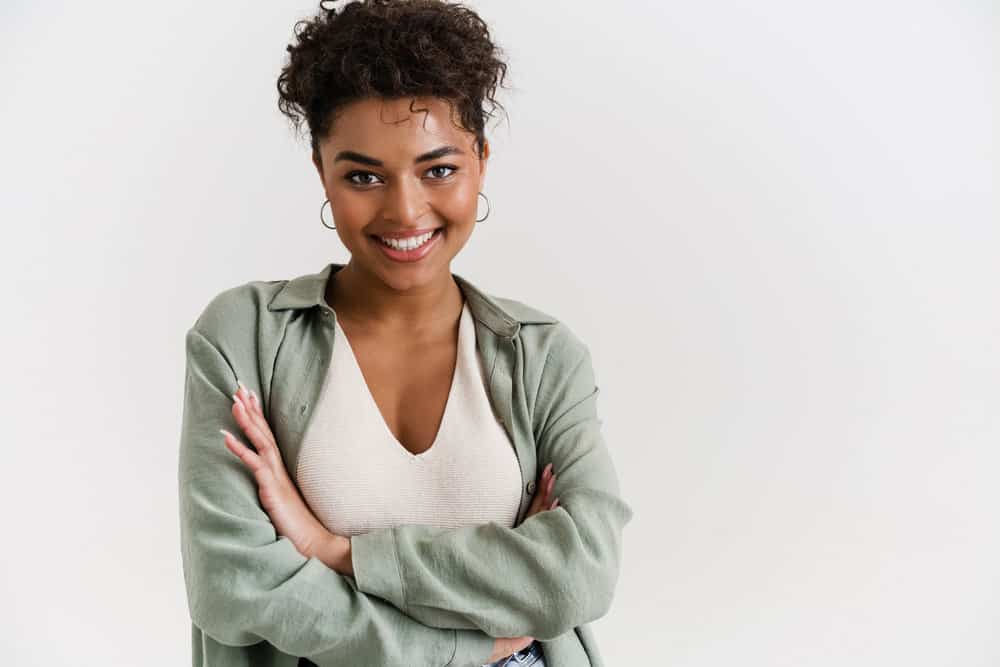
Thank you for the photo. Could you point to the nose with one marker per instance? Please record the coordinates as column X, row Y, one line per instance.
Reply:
column 404, row 203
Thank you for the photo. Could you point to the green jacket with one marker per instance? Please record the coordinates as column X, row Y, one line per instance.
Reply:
column 420, row 595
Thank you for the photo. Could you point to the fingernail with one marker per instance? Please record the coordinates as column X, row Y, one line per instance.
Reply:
column 225, row 432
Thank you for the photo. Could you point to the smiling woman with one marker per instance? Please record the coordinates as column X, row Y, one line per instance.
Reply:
column 406, row 216
column 410, row 471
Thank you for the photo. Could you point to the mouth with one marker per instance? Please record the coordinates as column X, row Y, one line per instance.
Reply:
column 408, row 234
column 412, row 248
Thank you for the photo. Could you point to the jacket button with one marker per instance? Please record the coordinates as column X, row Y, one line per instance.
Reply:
column 531, row 487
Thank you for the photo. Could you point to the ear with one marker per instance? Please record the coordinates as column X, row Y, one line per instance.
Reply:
column 483, row 161
column 317, row 162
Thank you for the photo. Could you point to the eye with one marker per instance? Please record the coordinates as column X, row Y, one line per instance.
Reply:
column 443, row 166
column 350, row 177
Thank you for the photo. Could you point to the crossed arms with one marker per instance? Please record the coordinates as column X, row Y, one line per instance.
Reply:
column 420, row 594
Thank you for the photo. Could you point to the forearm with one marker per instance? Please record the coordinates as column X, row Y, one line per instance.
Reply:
column 555, row 571
column 335, row 552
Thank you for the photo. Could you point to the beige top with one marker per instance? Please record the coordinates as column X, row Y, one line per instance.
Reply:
column 357, row 477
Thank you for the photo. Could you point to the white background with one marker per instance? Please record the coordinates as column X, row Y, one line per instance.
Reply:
column 774, row 223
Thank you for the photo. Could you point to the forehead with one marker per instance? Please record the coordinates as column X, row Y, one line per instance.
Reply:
column 396, row 125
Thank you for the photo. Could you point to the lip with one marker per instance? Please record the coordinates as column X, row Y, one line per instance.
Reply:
column 409, row 256
column 407, row 234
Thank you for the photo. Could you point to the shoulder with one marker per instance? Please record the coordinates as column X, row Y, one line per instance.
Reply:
column 543, row 334
column 551, row 346
column 236, row 311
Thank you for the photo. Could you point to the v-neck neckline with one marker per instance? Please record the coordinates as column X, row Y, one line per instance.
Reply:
column 373, row 404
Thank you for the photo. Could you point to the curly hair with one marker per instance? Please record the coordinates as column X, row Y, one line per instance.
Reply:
column 390, row 49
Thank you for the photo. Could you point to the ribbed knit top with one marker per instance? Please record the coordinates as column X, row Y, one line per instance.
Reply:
column 356, row 477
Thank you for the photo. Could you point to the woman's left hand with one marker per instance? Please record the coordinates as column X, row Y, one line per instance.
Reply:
column 279, row 496
column 542, row 500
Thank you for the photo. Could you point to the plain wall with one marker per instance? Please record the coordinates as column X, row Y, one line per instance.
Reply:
column 774, row 223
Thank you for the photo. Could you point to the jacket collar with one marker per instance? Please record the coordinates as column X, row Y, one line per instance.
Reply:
column 308, row 291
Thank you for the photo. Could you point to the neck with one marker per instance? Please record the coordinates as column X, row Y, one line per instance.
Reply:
column 369, row 302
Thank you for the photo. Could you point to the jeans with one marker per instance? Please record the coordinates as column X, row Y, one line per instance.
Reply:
column 532, row 656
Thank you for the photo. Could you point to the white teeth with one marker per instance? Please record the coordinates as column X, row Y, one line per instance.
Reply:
column 407, row 244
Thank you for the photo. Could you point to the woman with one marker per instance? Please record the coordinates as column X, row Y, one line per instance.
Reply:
column 388, row 418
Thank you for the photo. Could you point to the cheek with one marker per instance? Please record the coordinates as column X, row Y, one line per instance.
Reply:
column 459, row 206
column 352, row 210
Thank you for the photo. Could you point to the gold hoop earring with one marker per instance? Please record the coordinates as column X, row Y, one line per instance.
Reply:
column 325, row 202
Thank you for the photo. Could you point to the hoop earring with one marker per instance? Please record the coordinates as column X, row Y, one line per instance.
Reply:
column 325, row 202
column 488, row 207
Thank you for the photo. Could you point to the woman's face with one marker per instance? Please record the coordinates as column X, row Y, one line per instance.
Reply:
column 388, row 170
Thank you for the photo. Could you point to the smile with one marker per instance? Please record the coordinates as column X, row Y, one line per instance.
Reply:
column 409, row 249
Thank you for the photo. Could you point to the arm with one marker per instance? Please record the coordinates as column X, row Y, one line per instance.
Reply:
column 245, row 585
column 553, row 572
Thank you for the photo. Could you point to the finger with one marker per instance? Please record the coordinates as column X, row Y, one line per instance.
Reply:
column 243, row 392
column 536, row 504
column 555, row 504
column 242, row 397
column 259, row 433
column 257, row 437
column 255, row 404
column 245, row 396
column 547, row 483
column 543, row 485
column 249, row 414
column 242, row 414
column 252, row 404
column 242, row 451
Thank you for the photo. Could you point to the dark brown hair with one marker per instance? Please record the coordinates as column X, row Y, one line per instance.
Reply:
column 390, row 49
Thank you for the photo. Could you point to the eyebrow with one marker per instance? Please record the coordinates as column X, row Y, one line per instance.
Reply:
column 354, row 156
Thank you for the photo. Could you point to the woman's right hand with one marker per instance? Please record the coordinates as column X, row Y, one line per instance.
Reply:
column 505, row 646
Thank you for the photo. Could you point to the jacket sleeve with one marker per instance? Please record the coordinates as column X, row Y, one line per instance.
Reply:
column 245, row 584
column 556, row 570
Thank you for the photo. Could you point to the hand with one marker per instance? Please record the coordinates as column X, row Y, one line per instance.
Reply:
column 541, row 500
column 278, row 494
column 505, row 646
